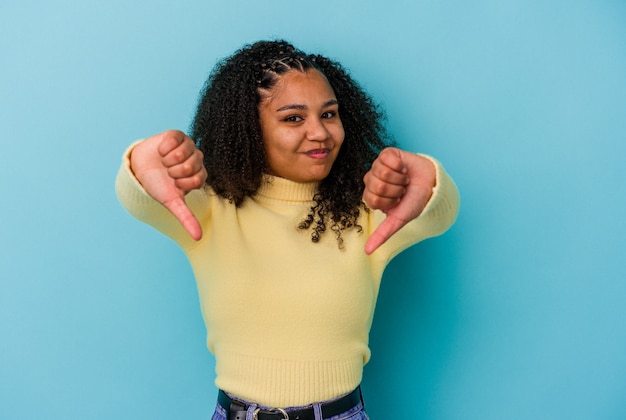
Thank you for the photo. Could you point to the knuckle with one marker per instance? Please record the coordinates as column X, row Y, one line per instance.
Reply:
column 391, row 156
column 380, row 188
column 367, row 177
column 374, row 201
column 199, row 178
column 179, row 155
column 385, row 172
column 388, row 153
column 174, row 134
column 186, row 168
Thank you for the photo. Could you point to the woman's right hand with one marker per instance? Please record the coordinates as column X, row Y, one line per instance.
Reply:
column 169, row 165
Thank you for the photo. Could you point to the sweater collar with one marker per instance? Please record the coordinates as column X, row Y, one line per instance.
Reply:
column 277, row 188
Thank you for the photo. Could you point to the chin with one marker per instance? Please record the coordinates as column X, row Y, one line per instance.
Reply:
column 315, row 174
column 318, row 177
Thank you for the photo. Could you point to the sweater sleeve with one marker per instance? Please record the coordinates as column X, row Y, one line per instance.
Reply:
column 438, row 216
column 143, row 207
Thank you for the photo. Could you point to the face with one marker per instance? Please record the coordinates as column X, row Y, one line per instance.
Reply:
column 301, row 128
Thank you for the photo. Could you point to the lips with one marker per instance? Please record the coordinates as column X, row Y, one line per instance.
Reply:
column 318, row 153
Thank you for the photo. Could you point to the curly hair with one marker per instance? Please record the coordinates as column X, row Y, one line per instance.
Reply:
column 227, row 129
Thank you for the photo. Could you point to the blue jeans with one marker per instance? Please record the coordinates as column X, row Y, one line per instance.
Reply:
column 355, row 413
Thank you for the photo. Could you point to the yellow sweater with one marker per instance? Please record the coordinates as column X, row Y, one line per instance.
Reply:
column 287, row 319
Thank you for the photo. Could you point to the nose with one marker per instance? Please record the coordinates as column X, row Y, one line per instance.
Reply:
column 316, row 130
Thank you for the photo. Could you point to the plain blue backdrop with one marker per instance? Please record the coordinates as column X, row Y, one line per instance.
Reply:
column 518, row 312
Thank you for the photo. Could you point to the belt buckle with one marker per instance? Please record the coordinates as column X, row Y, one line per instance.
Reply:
column 280, row 410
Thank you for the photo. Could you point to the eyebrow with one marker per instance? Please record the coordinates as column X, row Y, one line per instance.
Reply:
column 304, row 107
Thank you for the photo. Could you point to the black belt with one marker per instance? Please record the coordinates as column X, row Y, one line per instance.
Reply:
column 237, row 409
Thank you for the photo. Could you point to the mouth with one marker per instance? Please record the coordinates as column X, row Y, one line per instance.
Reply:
column 318, row 153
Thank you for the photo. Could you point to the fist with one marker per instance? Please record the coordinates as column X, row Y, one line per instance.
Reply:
column 168, row 166
column 399, row 184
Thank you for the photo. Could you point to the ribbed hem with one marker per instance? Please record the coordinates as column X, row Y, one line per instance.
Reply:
column 286, row 383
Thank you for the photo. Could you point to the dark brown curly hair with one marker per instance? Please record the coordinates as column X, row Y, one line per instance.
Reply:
column 227, row 129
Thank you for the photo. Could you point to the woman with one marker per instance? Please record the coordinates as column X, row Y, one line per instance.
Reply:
column 286, row 147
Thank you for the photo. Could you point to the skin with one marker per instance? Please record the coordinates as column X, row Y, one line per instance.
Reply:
column 168, row 165
column 301, row 127
column 399, row 184
column 302, row 135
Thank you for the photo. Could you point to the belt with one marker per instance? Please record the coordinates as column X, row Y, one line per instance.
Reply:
column 237, row 409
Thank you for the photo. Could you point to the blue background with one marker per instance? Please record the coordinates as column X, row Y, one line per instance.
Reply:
column 518, row 312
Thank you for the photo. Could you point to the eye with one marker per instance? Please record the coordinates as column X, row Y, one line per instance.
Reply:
column 329, row 114
column 293, row 118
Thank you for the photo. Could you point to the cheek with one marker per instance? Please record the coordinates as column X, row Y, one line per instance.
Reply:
column 339, row 131
column 278, row 150
column 283, row 141
column 339, row 135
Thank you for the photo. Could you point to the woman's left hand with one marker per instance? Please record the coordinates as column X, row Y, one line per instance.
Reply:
column 399, row 184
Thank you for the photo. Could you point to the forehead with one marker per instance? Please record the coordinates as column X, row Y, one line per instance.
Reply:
column 300, row 86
